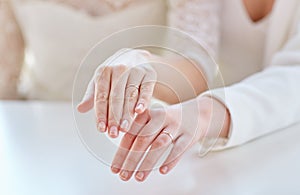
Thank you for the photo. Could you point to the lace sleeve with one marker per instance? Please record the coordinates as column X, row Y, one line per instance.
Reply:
column 201, row 20
column 11, row 52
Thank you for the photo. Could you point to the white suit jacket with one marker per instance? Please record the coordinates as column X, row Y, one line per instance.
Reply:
column 269, row 100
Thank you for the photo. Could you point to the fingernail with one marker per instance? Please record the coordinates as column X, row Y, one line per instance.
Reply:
column 101, row 126
column 139, row 107
column 140, row 176
column 164, row 169
column 114, row 169
column 124, row 174
column 113, row 131
column 124, row 125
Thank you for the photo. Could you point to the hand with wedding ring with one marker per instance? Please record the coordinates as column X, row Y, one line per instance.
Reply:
column 154, row 131
column 121, row 88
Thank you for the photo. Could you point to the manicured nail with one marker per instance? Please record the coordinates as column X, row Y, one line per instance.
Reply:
column 140, row 107
column 102, row 127
column 114, row 169
column 164, row 169
column 124, row 125
column 113, row 131
column 124, row 175
column 140, row 176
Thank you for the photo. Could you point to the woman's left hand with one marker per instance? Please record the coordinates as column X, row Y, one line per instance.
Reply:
column 155, row 130
column 121, row 88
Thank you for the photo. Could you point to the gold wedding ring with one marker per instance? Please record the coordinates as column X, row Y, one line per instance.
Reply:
column 132, row 85
column 169, row 134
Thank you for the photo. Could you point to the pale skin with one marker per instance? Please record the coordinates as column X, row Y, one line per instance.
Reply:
column 149, row 124
column 11, row 52
column 147, row 130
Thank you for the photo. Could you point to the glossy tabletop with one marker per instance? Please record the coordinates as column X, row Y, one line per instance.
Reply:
column 42, row 154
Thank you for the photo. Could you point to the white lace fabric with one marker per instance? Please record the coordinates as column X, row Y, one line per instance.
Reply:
column 200, row 19
column 58, row 36
column 94, row 8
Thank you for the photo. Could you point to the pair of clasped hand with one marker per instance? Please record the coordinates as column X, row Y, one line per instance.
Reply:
column 121, row 95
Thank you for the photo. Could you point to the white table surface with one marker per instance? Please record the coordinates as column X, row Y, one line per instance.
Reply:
column 41, row 154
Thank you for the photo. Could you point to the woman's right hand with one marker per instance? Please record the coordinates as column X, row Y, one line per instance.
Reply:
column 121, row 88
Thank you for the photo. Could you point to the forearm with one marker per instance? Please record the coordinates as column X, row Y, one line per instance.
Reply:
column 215, row 117
column 11, row 52
column 178, row 79
column 189, row 80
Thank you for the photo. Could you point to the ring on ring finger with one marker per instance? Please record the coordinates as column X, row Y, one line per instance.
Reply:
column 168, row 134
column 133, row 85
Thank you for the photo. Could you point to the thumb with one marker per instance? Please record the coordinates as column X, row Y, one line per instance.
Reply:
column 87, row 101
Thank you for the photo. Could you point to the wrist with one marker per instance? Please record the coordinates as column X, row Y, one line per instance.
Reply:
column 215, row 117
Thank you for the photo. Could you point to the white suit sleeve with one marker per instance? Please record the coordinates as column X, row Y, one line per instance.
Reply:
column 267, row 101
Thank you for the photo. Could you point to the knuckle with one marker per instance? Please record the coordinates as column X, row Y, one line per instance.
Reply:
column 161, row 141
column 148, row 162
column 119, row 69
column 131, row 161
column 116, row 97
column 128, row 137
column 100, row 115
column 136, row 70
column 147, row 87
column 112, row 121
column 101, row 79
column 102, row 83
column 104, row 70
column 142, row 141
column 122, row 67
column 145, row 97
column 121, row 155
column 131, row 93
column 128, row 114
column 113, row 117
column 101, row 96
